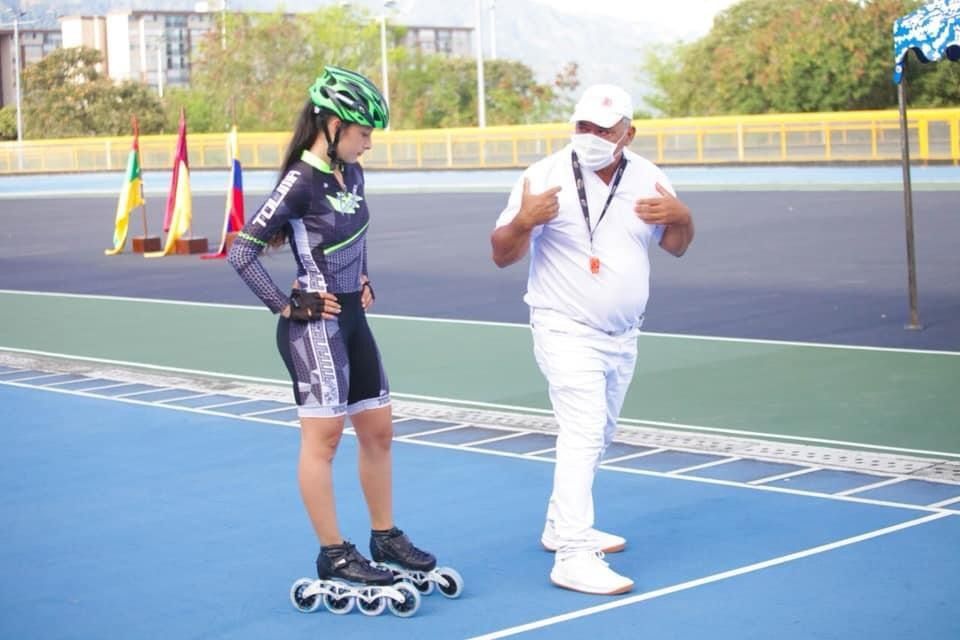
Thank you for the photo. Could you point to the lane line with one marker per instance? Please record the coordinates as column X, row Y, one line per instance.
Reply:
column 294, row 424
column 491, row 323
column 868, row 487
column 784, row 476
column 945, row 503
column 717, row 577
column 456, row 402
column 705, row 465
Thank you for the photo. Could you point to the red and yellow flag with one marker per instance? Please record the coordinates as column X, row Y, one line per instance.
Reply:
column 179, row 214
column 131, row 196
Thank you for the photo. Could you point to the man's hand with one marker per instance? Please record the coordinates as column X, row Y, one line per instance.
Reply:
column 538, row 208
column 666, row 210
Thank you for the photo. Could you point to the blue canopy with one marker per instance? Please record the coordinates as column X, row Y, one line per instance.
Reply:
column 932, row 31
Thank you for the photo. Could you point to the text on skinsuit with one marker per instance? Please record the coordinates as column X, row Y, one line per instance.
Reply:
column 270, row 206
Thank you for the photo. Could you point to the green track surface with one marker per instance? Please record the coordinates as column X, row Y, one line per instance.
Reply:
column 880, row 398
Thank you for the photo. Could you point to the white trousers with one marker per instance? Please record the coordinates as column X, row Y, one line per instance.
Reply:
column 588, row 373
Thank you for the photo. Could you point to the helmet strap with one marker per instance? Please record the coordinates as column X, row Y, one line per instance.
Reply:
column 335, row 161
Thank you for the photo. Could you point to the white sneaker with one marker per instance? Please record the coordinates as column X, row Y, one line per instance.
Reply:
column 606, row 542
column 586, row 571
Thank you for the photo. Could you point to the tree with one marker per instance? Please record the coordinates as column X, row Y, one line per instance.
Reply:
column 65, row 95
column 260, row 79
column 8, row 123
column 790, row 56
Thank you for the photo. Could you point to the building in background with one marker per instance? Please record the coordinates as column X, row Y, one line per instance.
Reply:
column 34, row 45
column 448, row 41
column 156, row 47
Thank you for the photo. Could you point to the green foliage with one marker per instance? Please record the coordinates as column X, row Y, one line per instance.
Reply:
column 792, row 56
column 8, row 123
column 260, row 80
column 66, row 95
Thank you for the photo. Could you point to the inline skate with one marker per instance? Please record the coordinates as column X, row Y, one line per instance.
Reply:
column 392, row 550
column 346, row 579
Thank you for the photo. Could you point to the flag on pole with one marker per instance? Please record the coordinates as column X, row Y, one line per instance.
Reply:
column 233, row 212
column 131, row 196
column 179, row 214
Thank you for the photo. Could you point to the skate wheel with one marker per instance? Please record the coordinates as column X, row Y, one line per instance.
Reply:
column 371, row 603
column 424, row 586
column 303, row 604
column 338, row 602
column 410, row 603
column 454, row 586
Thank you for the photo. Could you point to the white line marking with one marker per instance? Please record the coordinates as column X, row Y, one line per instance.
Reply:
column 944, row 503
column 540, row 452
column 705, row 465
column 227, row 404
column 199, row 394
column 512, row 408
column 517, row 456
column 63, row 382
column 268, row 411
column 32, row 378
column 631, row 456
column 508, row 436
column 784, row 476
column 432, row 431
column 111, row 385
column 488, row 323
column 868, row 487
column 717, row 577
column 137, row 393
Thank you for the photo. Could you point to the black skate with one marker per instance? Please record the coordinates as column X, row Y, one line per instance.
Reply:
column 345, row 578
column 344, row 562
column 393, row 550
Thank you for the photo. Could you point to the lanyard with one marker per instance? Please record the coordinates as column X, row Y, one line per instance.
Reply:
column 581, row 191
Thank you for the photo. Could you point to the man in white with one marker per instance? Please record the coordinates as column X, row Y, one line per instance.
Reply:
column 588, row 214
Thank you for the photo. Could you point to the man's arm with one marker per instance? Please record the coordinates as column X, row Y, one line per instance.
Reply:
column 669, row 211
column 511, row 241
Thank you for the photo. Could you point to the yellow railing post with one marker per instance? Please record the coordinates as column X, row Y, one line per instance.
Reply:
column 827, row 151
column 955, row 138
column 923, row 137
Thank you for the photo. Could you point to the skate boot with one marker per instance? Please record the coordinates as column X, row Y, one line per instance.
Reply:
column 346, row 579
column 392, row 549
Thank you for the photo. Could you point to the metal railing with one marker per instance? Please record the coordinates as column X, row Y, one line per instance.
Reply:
column 858, row 136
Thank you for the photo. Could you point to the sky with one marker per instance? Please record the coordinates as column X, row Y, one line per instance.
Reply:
column 676, row 19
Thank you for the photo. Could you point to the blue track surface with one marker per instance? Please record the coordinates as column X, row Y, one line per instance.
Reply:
column 140, row 520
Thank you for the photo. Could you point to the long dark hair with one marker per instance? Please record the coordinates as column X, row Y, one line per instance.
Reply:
column 309, row 125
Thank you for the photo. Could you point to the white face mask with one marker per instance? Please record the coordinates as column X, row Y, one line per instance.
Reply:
column 593, row 151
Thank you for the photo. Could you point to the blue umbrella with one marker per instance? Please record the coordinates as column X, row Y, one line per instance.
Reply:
column 932, row 32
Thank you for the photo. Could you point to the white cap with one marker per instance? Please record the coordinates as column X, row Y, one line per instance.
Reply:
column 604, row 105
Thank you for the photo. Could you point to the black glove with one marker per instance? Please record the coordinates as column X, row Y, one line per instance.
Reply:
column 306, row 306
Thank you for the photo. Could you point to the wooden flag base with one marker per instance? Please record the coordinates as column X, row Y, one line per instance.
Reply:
column 145, row 244
column 189, row 246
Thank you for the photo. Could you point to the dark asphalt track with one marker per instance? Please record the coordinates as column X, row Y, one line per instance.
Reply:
column 825, row 267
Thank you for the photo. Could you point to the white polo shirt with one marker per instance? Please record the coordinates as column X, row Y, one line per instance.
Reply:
column 560, row 279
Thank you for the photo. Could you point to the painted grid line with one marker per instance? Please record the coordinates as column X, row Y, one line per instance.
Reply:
column 658, row 474
column 875, row 485
column 784, row 476
column 717, row 577
column 705, row 465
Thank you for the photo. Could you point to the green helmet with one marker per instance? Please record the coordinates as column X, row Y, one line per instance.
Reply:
column 351, row 97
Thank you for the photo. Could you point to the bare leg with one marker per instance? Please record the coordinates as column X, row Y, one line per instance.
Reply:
column 319, row 438
column 374, row 428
